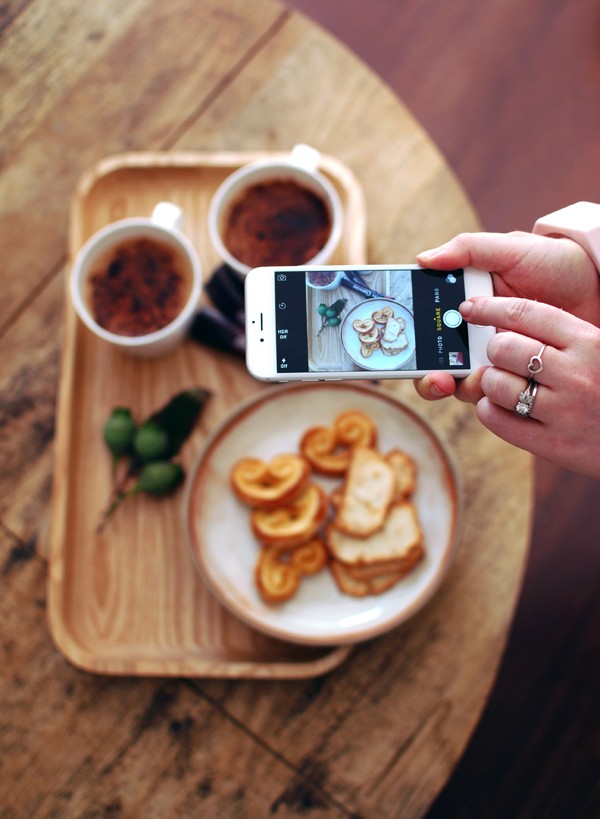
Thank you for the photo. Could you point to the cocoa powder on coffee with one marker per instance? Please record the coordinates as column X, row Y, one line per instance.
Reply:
column 138, row 288
column 279, row 222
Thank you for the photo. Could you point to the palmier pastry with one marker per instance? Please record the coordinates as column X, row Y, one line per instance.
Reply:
column 276, row 578
column 262, row 484
column 328, row 449
column 381, row 316
column 310, row 557
column 293, row 523
column 367, row 350
column 363, row 325
column 370, row 337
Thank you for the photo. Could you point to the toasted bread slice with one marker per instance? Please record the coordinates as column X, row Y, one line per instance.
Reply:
column 367, row 494
column 394, row 339
column 348, row 584
column 396, row 540
column 405, row 473
column 405, row 477
column 396, row 347
column 403, row 565
column 393, row 328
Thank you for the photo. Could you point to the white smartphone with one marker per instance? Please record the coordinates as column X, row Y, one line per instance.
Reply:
column 376, row 321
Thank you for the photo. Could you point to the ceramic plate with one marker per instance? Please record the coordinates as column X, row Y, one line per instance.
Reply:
column 377, row 360
column 225, row 550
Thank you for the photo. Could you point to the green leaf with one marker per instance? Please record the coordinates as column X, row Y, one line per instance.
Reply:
column 338, row 306
column 178, row 417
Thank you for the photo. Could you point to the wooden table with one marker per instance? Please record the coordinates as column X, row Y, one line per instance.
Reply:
column 378, row 735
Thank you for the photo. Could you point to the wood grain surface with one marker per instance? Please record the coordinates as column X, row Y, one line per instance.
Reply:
column 511, row 93
column 81, row 83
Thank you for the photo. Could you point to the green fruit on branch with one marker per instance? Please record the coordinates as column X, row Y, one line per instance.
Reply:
column 150, row 448
column 150, row 442
column 331, row 314
column 159, row 478
column 119, row 431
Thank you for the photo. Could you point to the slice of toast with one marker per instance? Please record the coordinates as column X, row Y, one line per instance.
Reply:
column 399, row 537
column 367, row 493
column 396, row 347
column 394, row 326
column 403, row 565
column 394, row 339
column 348, row 584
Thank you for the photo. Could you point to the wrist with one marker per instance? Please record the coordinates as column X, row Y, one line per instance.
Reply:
column 579, row 222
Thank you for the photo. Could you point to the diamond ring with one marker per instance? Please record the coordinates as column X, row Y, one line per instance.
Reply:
column 526, row 399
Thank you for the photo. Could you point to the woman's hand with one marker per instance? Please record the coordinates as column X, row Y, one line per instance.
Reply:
column 564, row 423
column 556, row 271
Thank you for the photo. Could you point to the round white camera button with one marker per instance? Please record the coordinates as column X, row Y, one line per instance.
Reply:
column 452, row 318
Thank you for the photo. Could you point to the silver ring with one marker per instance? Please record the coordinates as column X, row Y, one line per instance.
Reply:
column 535, row 365
column 526, row 399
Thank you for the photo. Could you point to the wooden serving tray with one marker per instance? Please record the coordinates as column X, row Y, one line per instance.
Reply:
column 129, row 601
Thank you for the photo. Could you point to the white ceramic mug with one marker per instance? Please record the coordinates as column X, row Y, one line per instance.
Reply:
column 163, row 226
column 301, row 166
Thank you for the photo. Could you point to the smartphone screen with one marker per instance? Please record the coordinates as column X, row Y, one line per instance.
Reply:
column 371, row 319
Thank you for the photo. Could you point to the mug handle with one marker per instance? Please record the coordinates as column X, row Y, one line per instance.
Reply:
column 168, row 215
column 305, row 157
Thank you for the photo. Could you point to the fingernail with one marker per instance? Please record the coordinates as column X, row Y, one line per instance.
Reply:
column 429, row 254
column 439, row 393
column 466, row 308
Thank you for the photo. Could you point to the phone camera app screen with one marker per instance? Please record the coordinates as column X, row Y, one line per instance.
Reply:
column 352, row 320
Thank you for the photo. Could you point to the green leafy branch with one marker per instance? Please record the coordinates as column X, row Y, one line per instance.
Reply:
column 330, row 314
column 147, row 450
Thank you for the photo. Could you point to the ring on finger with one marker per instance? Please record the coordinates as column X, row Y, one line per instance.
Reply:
column 535, row 365
column 524, row 405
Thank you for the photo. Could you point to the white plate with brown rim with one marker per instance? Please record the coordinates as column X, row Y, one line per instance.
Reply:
column 225, row 550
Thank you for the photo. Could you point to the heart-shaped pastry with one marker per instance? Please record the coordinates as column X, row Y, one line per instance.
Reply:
column 363, row 325
column 268, row 484
column 381, row 316
column 293, row 523
column 310, row 557
column 279, row 571
column 276, row 578
column 328, row 449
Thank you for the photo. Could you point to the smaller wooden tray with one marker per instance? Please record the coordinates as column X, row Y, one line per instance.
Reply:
column 128, row 601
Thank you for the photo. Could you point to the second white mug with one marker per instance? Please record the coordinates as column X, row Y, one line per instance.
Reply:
column 276, row 211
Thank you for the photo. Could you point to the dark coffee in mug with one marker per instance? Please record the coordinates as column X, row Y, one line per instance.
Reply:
column 278, row 222
column 139, row 286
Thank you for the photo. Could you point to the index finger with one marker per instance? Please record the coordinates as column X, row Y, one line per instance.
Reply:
column 532, row 319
